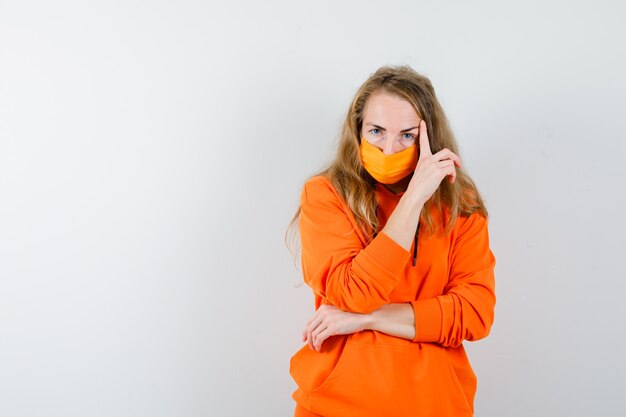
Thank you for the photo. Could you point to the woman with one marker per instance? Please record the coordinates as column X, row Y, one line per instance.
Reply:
column 398, row 260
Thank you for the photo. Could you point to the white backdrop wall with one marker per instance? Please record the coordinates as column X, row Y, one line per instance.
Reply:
column 152, row 155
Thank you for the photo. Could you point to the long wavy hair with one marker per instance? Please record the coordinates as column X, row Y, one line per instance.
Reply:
column 357, row 187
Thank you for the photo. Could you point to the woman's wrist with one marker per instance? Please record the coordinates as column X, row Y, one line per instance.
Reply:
column 395, row 319
column 369, row 320
column 375, row 320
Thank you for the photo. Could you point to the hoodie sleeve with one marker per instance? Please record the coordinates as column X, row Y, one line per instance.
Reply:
column 336, row 264
column 466, row 309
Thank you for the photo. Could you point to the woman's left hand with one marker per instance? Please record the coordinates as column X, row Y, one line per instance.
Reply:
column 330, row 321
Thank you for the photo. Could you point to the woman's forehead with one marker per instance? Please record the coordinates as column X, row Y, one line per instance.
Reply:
column 385, row 108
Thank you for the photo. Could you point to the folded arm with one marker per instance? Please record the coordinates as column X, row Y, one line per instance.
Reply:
column 357, row 277
column 395, row 319
column 466, row 309
column 337, row 262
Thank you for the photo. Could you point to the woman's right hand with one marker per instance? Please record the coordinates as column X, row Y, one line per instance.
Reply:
column 431, row 169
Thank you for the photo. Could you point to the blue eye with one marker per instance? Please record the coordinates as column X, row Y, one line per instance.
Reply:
column 375, row 131
column 408, row 136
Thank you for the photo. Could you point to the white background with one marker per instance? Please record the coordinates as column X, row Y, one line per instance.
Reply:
column 152, row 154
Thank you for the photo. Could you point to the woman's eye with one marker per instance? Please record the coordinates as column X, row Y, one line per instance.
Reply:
column 375, row 131
column 408, row 136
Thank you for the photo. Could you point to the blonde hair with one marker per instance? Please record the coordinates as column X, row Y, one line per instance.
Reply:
column 356, row 186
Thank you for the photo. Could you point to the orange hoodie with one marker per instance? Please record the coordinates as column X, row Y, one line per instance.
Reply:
column 451, row 289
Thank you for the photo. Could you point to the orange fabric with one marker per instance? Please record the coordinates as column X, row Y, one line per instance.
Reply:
column 300, row 411
column 451, row 289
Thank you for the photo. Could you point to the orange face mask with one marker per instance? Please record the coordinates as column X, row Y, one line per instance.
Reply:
column 388, row 169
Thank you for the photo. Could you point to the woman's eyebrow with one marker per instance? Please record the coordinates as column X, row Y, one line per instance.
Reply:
column 411, row 128
column 382, row 128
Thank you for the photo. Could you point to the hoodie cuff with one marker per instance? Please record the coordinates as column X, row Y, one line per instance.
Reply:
column 428, row 320
column 387, row 253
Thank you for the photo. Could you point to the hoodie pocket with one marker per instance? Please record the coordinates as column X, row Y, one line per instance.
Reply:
column 374, row 380
column 309, row 368
column 345, row 360
column 462, row 374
